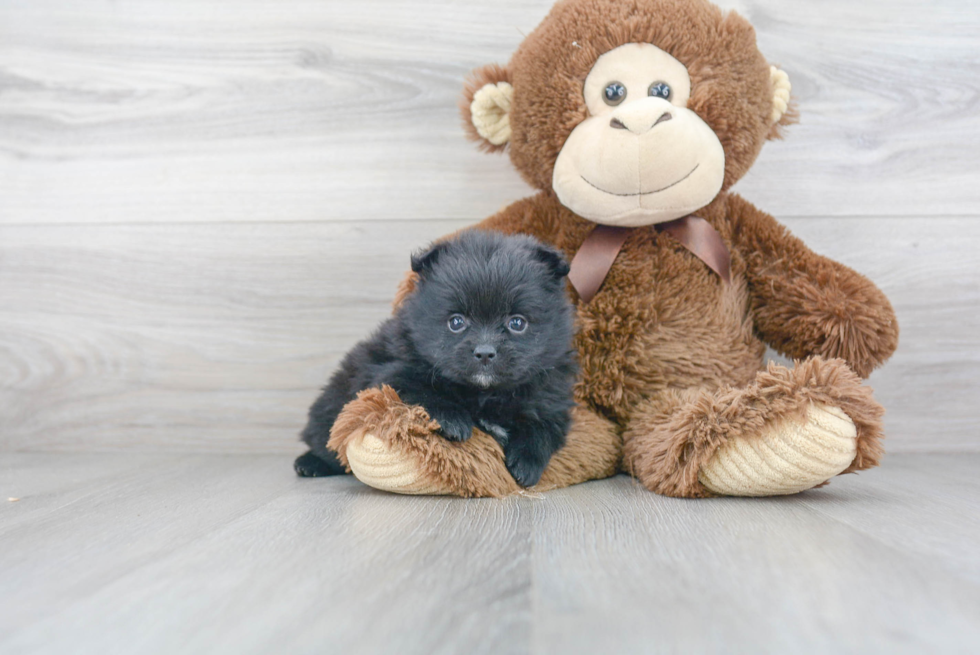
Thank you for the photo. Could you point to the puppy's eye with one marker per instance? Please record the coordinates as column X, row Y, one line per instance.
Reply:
column 614, row 93
column 517, row 324
column 457, row 323
column 660, row 90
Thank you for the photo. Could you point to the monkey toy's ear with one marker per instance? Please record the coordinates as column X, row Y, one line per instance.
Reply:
column 486, row 107
column 783, row 111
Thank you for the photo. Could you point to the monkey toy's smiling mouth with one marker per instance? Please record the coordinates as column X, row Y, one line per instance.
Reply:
column 614, row 177
column 641, row 193
column 642, row 156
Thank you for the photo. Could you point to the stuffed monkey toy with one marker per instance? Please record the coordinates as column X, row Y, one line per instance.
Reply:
column 633, row 119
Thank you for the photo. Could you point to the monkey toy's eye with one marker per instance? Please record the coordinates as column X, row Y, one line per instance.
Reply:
column 517, row 324
column 614, row 94
column 660, row 90
column 457, row 323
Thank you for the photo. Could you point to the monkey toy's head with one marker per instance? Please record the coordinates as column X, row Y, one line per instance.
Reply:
column 633, row 112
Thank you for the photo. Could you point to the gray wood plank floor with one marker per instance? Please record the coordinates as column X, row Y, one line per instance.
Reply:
column 134, row 553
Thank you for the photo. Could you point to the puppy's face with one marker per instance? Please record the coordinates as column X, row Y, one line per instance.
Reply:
column 490, row 311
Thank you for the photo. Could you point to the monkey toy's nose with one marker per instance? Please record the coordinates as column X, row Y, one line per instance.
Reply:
column 639, row 126
column 485, row 353
column 641, row 116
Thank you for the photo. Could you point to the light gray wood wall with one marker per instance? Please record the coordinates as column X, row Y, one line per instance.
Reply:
column 204, row 204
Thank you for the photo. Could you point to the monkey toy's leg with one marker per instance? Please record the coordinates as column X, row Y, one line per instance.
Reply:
column 393, row 446
column 791, row 429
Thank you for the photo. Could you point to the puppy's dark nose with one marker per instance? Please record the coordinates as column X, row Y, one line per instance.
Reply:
column 485, row 353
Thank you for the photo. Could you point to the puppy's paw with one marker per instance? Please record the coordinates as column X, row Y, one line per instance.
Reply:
column 525, row 470
column 453, row 425
column 496, row 431
column 309, row 465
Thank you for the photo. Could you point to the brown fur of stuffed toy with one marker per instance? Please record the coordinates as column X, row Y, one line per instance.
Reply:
column 671, row 356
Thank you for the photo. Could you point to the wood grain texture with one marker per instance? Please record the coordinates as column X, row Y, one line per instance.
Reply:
column 282, row 565
column 209, row 553
column 190, row 110
column 115, row 335
column 203, row 205
column 633, row 572
column 217, row 337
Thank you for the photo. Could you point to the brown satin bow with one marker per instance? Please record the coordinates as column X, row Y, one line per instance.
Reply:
column 595, row 257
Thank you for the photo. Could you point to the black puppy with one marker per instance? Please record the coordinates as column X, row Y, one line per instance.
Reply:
column 485, row 339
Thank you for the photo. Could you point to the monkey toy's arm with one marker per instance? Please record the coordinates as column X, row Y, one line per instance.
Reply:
column 804, row 304
column 413, row 387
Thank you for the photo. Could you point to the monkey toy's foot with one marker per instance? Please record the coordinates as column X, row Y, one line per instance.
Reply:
column 788, row 457
column 788, row 430
column 395, row 447
column 380, row 465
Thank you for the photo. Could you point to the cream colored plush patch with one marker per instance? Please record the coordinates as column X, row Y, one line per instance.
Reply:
column 645, row 160
column 788, row 458
column 490, row 112
column 780, row 93
column 374, row 464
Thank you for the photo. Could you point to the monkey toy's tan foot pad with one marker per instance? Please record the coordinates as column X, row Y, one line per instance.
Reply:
column 788, row 430
column 791, row 456
column 392, row 446
column 376, row 464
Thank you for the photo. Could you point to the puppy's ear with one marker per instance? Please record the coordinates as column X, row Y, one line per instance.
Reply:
column 553, row 259
column 424, row 260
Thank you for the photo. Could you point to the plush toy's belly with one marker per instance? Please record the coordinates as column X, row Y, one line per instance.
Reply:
column 663, row 320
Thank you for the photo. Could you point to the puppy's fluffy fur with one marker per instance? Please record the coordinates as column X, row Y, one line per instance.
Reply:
column 485, row 340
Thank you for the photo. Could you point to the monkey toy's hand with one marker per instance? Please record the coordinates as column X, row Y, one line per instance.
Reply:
column 455, row 421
